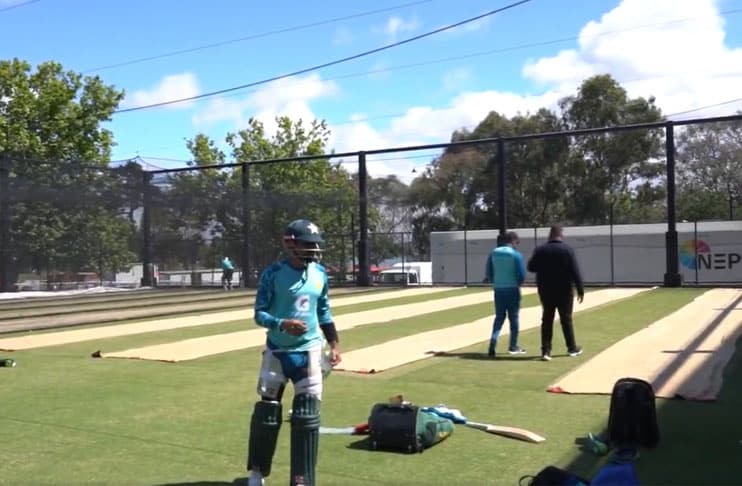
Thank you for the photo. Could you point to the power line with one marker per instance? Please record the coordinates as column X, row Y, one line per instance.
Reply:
column 468, row 127
column 727, row 102
column 18, row 5
column 447, row 131
column 499, row 51
column 329, row 156
column 254, row 36
column 510, row 48
column 328, row 64
column 450, row 108
column 521, row 46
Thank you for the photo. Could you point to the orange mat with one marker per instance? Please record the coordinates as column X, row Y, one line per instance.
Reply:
column 200, row 347
column 397, row 352
column 682, row 355
column 118, row 330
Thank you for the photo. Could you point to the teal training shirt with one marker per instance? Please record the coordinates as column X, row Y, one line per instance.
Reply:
column 506, row 268
column 227, row 264
column 285, row 292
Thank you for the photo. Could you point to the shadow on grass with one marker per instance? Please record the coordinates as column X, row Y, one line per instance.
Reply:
column 701, row 439
column 360, row 444
column 236, row 482
column 363, row 445
column 483, row 356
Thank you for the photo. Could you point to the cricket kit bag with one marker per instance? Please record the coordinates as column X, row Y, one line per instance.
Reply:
column 405, row 428
column 553, row 476
column 632, row 420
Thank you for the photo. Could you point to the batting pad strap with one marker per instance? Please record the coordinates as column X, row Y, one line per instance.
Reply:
column 305, row 421
column 330, row 332
column 264, row 427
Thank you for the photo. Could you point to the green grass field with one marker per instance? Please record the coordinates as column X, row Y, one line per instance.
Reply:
column 68, row 419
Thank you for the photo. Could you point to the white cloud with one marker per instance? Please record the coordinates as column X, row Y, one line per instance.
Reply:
column 479, row 24
column 423, row 125
column 563, row 69
column 683, row 64
column 289, row 97
column 172, row 87
column 395, row 26
column 680, row 57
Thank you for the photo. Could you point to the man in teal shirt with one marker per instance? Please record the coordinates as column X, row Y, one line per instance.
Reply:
column 227, row 272
column 292, row 304
column 506, row 271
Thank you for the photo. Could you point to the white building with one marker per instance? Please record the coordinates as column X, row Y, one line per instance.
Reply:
column 636, row 255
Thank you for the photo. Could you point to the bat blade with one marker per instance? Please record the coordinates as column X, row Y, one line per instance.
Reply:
column 360, row 429
column 512, row 432
column 337, row 430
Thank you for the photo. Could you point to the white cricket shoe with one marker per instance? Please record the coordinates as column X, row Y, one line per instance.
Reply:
column 256, row 479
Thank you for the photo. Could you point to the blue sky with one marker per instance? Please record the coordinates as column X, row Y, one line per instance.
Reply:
column 686, row 53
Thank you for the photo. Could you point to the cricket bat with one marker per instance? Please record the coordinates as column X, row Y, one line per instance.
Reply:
column 512, row 432
column 360, row 429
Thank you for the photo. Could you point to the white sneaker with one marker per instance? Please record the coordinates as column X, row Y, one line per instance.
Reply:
column 546, row 357
column 256, row 479
column 576, row 352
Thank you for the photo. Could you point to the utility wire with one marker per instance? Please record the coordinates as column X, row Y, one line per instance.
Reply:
column 522, row 46
column 505, row 49
column 727, row 102
column 449, row 108
column 329, row 156
column 18, row 5
column 452, row 129
column 254, row 36
column 502, row 50
column 468, row 127
column 327, row 64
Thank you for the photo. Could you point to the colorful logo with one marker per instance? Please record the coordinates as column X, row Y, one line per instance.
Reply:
column 302, row 303
column 690, row 249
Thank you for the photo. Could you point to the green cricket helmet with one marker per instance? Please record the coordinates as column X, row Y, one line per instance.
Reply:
column 302, row 239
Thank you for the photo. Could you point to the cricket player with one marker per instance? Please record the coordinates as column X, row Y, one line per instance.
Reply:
column 292, row 303
column 506, row 271
column 227, row 271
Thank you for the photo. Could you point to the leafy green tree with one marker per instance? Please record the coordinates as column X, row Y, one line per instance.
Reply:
column 605, row 167
column 459, row 189
column 187, row 209
column 50, row 121
column 390, row 214
column 710, row 171
column 101, row 242
column 535, row 172
column 280, row 192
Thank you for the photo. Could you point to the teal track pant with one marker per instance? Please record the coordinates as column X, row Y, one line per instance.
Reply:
column 507, row 304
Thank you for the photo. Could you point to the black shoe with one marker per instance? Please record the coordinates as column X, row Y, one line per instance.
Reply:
column 576, row 352
column 517, row 351
column 490, row 354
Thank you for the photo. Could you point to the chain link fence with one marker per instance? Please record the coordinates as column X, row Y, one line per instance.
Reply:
column 655, row 203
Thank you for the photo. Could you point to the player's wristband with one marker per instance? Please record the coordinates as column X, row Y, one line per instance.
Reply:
column 331, row 334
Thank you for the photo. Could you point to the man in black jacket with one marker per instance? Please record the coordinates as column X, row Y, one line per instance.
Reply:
column 557, row 274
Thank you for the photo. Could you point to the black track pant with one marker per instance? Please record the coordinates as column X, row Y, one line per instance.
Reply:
column 550, row 304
